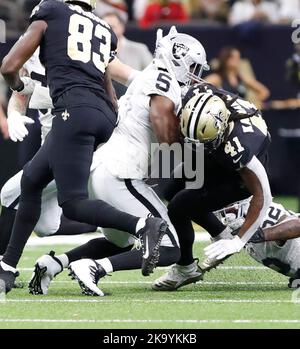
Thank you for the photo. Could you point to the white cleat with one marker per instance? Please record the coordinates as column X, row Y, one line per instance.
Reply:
column 178, row 276
column 88, row 273
column 211, row 263
column 46, row 268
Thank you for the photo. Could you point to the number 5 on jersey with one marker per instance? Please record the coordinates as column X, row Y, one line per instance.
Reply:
column 82, row 31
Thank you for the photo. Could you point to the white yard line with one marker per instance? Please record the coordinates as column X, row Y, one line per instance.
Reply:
column 109, row 301
column 223, row 267
column 188, row 321
column 229, row 283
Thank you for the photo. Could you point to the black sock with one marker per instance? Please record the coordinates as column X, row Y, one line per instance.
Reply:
column 100, row 214
column 132, row 260
column 95, row 249
column 68, row 227
column 209, row 222
column 26, row 218
column 7, row 219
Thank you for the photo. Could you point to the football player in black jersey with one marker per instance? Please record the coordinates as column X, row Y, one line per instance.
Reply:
column 236, row 140
column 76, row 47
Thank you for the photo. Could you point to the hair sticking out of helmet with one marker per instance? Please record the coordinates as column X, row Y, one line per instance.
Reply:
column 204, row 119
column 181, row 55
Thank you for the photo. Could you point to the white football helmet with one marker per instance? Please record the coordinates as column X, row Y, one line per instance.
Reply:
column 234, row 215
column 181, row 54
column 91, row 3
column 204, row 119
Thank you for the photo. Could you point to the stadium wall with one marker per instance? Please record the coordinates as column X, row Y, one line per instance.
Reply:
column 267, row 48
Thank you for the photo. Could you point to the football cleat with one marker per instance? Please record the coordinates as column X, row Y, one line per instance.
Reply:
column 150, row 237
column 46, row 268
column 211, row 263
column 7, row 280
column 294, row 283
column 88, row 273
column 178, row 276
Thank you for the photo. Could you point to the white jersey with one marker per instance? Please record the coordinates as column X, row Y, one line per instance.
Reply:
column 283, row 259
column 127, row 153
column 40, row 98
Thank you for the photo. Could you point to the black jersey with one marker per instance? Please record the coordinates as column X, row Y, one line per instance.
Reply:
column 76, row 48
column 246, row 137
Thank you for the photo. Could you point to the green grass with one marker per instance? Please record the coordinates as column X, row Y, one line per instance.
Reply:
column 238, row 295
column 227, row 297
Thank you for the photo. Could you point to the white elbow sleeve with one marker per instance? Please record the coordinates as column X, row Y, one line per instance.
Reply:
column 256, row 166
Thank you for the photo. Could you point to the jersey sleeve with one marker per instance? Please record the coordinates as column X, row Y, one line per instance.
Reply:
column 236, row 154
column 44, row 11
column 162, row 84
column 113, row 47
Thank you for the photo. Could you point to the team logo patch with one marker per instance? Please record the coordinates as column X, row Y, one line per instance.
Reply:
column 179, row 50
column 65, row 115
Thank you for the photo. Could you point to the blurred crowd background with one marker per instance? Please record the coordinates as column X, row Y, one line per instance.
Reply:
column 251, row 47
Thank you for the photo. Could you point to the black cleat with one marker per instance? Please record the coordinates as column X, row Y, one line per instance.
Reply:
column 151, row 236
column 7, row 280
column 294, row 283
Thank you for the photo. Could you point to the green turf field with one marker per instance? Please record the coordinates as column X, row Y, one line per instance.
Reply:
column 240, row 294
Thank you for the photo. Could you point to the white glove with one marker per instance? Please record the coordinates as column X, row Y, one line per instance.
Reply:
column 222, row 248
column 29, row 86
column 16, row 126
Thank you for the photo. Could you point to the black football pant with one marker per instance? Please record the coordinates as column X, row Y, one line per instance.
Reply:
column 198, row 205
column 66, row 156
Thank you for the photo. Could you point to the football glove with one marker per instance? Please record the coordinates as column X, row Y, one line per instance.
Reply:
column 16, row 126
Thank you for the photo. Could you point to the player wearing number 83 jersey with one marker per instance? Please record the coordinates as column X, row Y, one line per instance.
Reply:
column 81, row 60
column 75, row 48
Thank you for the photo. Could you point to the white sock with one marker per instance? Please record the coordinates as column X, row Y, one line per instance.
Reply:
column 106, row 265
column 7, row 267
column 1, row 257
column 64, row 260
column 189, row 267
column 140, row 224
column 226, row 234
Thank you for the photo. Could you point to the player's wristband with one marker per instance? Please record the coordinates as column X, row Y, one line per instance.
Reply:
column 20, row 88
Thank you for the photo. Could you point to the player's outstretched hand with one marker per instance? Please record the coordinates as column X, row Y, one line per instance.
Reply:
column 16, row 126
column 223, row 248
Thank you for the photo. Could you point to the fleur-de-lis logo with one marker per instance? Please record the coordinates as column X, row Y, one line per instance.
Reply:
column 65, row 115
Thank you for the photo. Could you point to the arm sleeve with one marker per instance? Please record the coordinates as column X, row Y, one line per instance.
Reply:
column 256, row 166
column 44, row 11
column 113, row 47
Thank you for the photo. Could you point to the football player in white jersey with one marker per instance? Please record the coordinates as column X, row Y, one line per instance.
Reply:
column 276, row 244
column 147, row 114
column 52, row 221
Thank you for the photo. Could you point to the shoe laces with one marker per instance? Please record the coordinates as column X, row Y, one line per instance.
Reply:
column 137, row 245
column 95, row 274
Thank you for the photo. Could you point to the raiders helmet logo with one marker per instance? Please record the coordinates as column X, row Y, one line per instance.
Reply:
column 179, row 50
